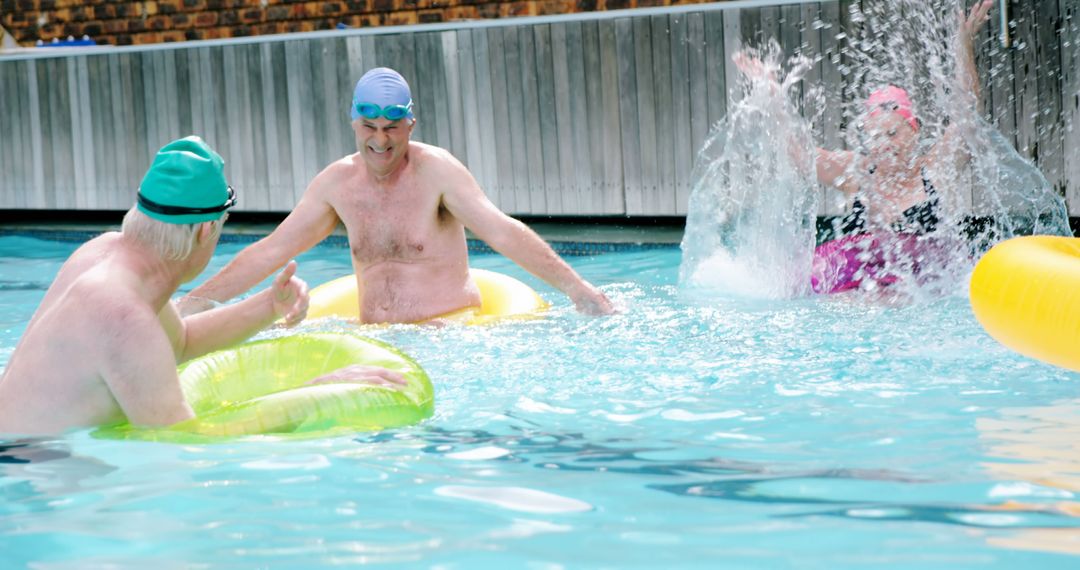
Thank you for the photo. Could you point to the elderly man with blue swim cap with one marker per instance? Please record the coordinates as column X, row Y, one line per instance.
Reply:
column 405, row 206
column 104, row 344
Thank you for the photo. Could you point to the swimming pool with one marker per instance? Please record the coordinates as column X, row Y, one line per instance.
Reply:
column 684, row 432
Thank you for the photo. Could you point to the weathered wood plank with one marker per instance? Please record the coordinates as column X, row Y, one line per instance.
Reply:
column 221, row 127
column 700, row 121
column 147, row 92
column 314, row 113
column 733, row 43
column 279, row 126
column 790, row 28
column 344, row 138
column 532, row 184
column 453, row 87
column 598, row 116
column 134, row 121
column 1001, row 87
column 257, row 177
column 1048, row 79
column 568, row 181
column 425, row 95
column 170, row 93
column 434, row 80
column 715, row 63
column 500, row 105
column 628, row 114
column 193, row 91
column 518, row 135
column 466, row 103
column 298, row 72
column 85, row 175
column 11, row 140
column 62, row 135
column 1025, row 65
column 96, row 97
column 791, row 38
column 770, row 24
column 614, row 180
column 14, row 140
column 811, row 46
column 644, row 85
column 47, row 93
column 118, row 113
column 19, row 150
column 750, row 25
column 1070, row 110
column 484, row 115
column 263, row 128
column 234, row 147
column 578, row 111
column 354, row 48
column 548, row 138
column 664, row 192
column 37, row 128
column 683, row 148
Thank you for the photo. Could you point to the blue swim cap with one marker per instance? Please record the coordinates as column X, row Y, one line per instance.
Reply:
column 382, row 86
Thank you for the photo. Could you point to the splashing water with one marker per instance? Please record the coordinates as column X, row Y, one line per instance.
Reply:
column 750, row 228
column 995, row 195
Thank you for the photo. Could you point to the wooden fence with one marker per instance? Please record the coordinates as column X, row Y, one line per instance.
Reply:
column 598, row 114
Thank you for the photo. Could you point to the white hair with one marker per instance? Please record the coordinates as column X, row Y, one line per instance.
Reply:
column 170, row 241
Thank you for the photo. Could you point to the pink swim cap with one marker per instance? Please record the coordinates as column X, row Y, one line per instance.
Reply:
column 895, row 99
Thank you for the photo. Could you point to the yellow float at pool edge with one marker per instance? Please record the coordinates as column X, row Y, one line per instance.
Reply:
column 1026, row 294
column 501, row 296
column 259, row 388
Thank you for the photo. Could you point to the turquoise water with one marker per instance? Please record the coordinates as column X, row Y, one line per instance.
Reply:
column 685, row 432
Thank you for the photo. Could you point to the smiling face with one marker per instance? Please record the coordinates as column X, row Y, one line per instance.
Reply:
column 382, row 143
column 891, row 139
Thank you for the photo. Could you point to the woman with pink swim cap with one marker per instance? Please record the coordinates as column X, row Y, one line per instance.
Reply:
column 894, row 203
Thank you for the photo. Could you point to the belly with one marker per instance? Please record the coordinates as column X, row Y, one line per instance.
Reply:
column 395, row 292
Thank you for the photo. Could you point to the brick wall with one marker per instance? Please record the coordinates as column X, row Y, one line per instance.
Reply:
column 124, row 23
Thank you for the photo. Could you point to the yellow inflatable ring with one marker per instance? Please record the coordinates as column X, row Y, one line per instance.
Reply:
column 1026, row 294
column 501, row 297
column 260, row 388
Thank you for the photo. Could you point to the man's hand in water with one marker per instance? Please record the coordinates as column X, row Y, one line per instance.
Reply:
column 364, row 374
column 290, row 295
column 974, row 21
column 593, row 301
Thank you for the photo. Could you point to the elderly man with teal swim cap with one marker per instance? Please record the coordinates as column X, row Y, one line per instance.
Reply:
column 104, row 344
column 406, row 206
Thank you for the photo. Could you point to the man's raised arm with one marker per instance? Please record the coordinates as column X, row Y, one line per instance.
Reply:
column 309, row 223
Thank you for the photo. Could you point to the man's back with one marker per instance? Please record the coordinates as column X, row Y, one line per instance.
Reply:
column 56, row 365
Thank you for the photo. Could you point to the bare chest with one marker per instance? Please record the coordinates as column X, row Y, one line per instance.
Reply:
column 403, row 224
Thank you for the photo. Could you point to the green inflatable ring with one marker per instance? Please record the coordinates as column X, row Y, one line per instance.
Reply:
column 259, row 388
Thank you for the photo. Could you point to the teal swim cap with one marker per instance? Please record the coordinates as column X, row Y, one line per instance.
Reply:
column 186, row 184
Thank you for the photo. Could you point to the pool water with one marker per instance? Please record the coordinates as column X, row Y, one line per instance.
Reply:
column 687, row 431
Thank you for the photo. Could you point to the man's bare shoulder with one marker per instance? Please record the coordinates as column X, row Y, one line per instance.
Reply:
column 434, row 160
column 337, row 171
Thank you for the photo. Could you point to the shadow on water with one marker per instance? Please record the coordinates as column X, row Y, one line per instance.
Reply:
column 831, row 492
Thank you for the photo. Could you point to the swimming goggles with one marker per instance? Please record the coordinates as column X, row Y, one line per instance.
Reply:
column 167, row 210
column 390, row 112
